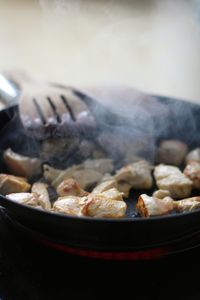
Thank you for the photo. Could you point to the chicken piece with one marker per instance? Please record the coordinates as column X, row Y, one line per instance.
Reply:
column 192, row 171
column 101, row 165
column 70, row 205
column 124, row 187
column 21, row 165
column 40, row 189
column 58, row 147
column 56, row 176
column 171, row 152
column 160, row 194
column 137, row 175
column 100, row 206
column 193, row 155
column 170, row 178
column 113, row 194
column 150, row 206
column 50, row 173
column 69, row 187
column 30, row 199
column 85, row 177
column 187, row 205
column 104, row 186
column 13, row 184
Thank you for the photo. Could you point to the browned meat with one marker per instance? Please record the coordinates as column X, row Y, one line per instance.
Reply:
column 101, row 165
column 104, row 186
column 193, row 155
column 171, row 152
column 70, row 205
column 21, row 165
column 151, row 206
column 70, row 187
column 40, row 189
column 192, row 171
column 188, row 204
column 103, row 207
column 137, row 175
column 13, row 184
column 113, row 194
column 30, row 199
column 170, row 178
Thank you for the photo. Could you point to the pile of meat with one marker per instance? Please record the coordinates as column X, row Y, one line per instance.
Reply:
column 94, row 188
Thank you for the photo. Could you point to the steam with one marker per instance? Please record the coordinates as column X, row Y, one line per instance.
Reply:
column 140, row 42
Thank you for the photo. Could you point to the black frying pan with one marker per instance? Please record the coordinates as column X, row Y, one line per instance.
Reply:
column 110, row 235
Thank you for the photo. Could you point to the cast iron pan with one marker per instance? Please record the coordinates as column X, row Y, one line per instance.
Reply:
column 109, row 235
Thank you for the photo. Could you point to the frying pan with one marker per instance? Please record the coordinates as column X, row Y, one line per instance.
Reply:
column 94, row 235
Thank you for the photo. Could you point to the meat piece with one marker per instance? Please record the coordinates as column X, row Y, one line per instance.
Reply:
column 50, row 173
column 30, row 199
column 70, row 187
column 187, row 205
column 113, row 194
column 170, row 178
column 193, row 155
column 56, row 176
column 101, row 165
column 137, row 175
column 160, row 194
column 85, row 177
column 124, row 187
column 171, row 152
column 86, row 148
column 21, row 165
column 192, row 171
column 104, row 186
column 150, row 206
column 40, row 189
column 60, row 147
column 70, row 205
column 100, row 206
column 13, row 184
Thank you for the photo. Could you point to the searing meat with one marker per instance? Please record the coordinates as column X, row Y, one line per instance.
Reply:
column 85, row 177
column 40, row 189
column 70, row 187
column 61, row 147
column 171, row 152
column 192, row 171
column 50, row 173
column 151, row 206
column 170, row 178
column 13, row 184
column 124, row 187
column 70, row 205
column 160, row 194
column 101, row 165
column 104, row 186
column 21, row 165
column 103, row 207
column 137, row 175
column 113, row 194
column 187, row 205
column 193, row 155
column 30, row 199
column 56, row 176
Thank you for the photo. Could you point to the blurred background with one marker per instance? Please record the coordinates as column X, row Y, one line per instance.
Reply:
column 153, row 45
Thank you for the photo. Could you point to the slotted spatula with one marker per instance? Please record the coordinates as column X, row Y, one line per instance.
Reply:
column 52, row 110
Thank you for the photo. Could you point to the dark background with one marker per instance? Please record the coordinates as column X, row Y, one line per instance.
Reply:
column 30, row 271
